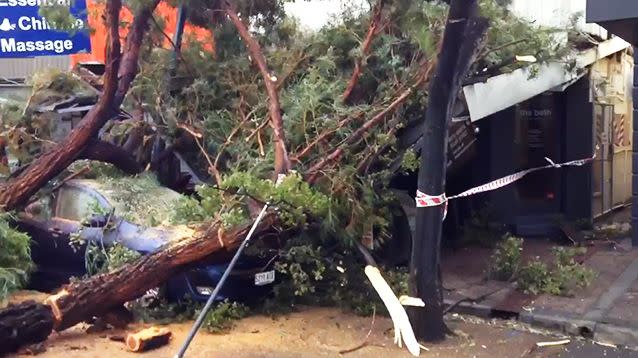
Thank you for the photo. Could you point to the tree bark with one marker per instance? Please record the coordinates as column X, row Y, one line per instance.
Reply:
column 282, row 162
column 462, row 32
column 129, row 64
column 110, row 153
column 100, row 294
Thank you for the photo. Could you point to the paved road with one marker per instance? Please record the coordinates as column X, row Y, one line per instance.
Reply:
column 587, row 350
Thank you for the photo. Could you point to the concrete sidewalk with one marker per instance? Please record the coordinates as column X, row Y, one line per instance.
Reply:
column 606, row 311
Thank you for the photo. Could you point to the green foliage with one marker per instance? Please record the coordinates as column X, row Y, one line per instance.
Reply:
column 224, row 102
column 59, row 17
column 140, row 199
column 160, row 311
column 562, row 278
column 535, row 278
column 27, row 131
column 222, row 317
column 506, row 260
column 304, row 267
column 410, row 161
column 510, row 36
column 119, row 256
column 328, row 274
column 15, row 258
column 102, row 259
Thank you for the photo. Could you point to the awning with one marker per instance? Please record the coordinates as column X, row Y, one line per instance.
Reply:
column 503, row 91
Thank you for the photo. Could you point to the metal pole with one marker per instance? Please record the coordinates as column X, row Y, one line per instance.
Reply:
column 220, row 284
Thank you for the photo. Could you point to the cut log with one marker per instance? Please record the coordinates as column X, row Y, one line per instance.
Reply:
column 147, row 339
column 23, row 324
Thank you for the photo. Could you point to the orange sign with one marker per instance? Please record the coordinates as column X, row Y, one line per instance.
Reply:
column 164, row 14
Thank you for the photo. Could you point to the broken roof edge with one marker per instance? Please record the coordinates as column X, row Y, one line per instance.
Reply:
column 503, row 91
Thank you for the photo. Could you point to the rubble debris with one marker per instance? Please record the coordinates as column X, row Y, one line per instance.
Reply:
column 33, row 349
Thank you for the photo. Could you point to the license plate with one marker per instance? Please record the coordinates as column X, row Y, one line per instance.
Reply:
column 264, row 278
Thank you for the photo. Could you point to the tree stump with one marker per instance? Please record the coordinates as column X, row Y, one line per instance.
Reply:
column 23, row 324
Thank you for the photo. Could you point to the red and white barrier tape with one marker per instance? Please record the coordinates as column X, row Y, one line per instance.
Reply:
column 424, row 200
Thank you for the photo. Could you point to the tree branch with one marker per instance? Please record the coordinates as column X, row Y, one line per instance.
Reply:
column 324, row 136
column 336, row 154
column 110, row 153
column 373, row 29
column 129, row 66
column 282, row 163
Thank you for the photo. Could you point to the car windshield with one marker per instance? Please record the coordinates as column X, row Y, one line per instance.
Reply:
column 140, row 200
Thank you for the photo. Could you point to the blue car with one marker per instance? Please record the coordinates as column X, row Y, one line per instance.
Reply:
column 85, row 212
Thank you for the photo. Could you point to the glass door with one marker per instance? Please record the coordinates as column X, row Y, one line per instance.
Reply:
column 538, row 136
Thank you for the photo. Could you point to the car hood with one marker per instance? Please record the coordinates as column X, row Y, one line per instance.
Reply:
column 150, row 239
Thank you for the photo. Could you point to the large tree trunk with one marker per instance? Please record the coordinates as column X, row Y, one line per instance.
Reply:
column 461, row 38
column 98, row 295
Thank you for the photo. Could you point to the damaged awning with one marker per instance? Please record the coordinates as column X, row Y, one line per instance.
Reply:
column 503, row 91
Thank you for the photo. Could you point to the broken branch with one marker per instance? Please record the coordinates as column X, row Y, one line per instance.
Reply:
column 282, row 163
column 373, row 29
column 336, row 154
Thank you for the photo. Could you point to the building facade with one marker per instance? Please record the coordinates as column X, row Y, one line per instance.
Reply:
column 620, row 17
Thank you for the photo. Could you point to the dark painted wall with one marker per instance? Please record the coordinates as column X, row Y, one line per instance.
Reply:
column 605, row 10
column 503, row 162
column 497, row 157
column 578, row 144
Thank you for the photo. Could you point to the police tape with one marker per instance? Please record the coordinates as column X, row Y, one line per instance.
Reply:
column 424, row 200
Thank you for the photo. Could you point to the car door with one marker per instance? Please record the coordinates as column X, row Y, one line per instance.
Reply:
column 72, row 206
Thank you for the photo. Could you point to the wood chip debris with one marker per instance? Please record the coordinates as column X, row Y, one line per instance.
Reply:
column 554, row 343
column 605, row 344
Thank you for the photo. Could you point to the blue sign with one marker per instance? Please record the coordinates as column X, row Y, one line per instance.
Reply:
column 24, row 33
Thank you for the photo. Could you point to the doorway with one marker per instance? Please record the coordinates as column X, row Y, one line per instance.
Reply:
column 539, row 128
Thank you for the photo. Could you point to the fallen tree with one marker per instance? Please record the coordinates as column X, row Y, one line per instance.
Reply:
column 224, row 111
column 98, row 295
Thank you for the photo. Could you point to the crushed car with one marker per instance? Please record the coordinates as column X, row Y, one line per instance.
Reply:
column 132, row 213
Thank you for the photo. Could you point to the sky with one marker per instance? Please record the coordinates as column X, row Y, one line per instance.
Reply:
column 315, row 13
